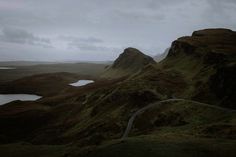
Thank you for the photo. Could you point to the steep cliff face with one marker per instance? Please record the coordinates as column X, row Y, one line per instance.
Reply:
column 201, row 67
column 206, row 42
column 223, row 84
column 207, row 59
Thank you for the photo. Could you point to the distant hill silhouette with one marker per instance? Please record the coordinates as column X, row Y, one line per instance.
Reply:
column 89, row 121
column 161, row 56
column 129, row 62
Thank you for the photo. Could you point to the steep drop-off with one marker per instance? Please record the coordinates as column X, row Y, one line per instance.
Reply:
column 93, row 118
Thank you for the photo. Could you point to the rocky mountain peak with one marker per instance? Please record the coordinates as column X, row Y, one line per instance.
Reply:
column 133, row 59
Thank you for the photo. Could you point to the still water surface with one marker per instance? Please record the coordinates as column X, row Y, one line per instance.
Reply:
column 81, row 83
column 6, row 98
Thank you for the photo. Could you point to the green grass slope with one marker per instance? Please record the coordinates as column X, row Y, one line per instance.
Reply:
column 130, row 61
column 207, row 61
column 153, row 146
column 93, row 118
column 91, row 69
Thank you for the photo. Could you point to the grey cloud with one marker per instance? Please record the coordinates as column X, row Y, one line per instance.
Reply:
column 94, row 27
column 220, row 13
column 157, row 4
column 92, row 48
column 140, row 15
column 74, row 39
column 219, row 6
column 89, row 44
column 19, row 36
column 90, row 40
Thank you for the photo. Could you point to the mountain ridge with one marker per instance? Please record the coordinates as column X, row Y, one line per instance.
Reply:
column 90, row 120
column 129, row 62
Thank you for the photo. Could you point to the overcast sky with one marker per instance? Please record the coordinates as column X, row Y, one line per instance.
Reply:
column 56, row 30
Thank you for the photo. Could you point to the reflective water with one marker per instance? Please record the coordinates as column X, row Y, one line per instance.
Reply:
column 6, row 68
column 81, row 83
column 6, row 98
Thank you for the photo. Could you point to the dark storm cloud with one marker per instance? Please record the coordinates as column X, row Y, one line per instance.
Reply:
column 88, row 28
column 19, row 36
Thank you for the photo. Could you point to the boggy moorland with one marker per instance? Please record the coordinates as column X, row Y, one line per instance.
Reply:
column 186, row 103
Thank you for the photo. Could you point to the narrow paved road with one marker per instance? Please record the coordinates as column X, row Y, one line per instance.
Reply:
column 131, row 120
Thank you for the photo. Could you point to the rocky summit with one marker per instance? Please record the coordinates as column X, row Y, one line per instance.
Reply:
column 132, row 59
column 129, row 62
column 182, row 106
column 208, row 61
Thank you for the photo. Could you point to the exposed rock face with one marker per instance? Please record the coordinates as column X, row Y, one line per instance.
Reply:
column 213, row 55
column 132, row 59
column 213, row 32
column 223, row 84
column 206, row 41
column 129, row 62
column 89, row 116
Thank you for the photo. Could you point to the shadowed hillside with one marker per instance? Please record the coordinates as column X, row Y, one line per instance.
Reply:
column 129, row 62
column 90, row 120
column 207, row 61
column 23, row 69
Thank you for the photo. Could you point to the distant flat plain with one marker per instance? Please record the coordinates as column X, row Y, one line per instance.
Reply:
column 22, row 69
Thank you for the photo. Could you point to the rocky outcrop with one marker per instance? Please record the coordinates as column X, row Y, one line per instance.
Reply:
column 209, row 57
column 209, row 43
column 132, row 59
column 129, row 62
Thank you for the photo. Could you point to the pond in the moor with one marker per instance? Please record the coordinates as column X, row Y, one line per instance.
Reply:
column 81, row 83
column 6, row 98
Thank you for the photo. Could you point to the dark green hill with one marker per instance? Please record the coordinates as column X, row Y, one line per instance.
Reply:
column 130, row 61
column 90, row 120
column 207, row 60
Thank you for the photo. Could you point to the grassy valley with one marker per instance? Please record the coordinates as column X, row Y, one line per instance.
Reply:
column 89, row 121
column 28, row 69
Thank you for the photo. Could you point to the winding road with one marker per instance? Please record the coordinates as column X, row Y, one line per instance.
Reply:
column 131, row 120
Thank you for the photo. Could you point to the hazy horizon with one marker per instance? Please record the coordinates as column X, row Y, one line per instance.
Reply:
column 99, row 30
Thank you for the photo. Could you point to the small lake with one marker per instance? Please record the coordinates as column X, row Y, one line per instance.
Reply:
column 81, row 83
column 6, row 68
column 6, row 98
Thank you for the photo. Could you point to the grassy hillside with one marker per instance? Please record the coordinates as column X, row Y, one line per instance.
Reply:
column 90, row 120
column 91, row 69
column 27, row 150
column 207, row 61
column 129, row 62
column 167, row 146
column 41, row 84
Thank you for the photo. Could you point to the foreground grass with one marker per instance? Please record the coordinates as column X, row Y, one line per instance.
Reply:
column 139, row 146
column 172, row 146
column 28, row 150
